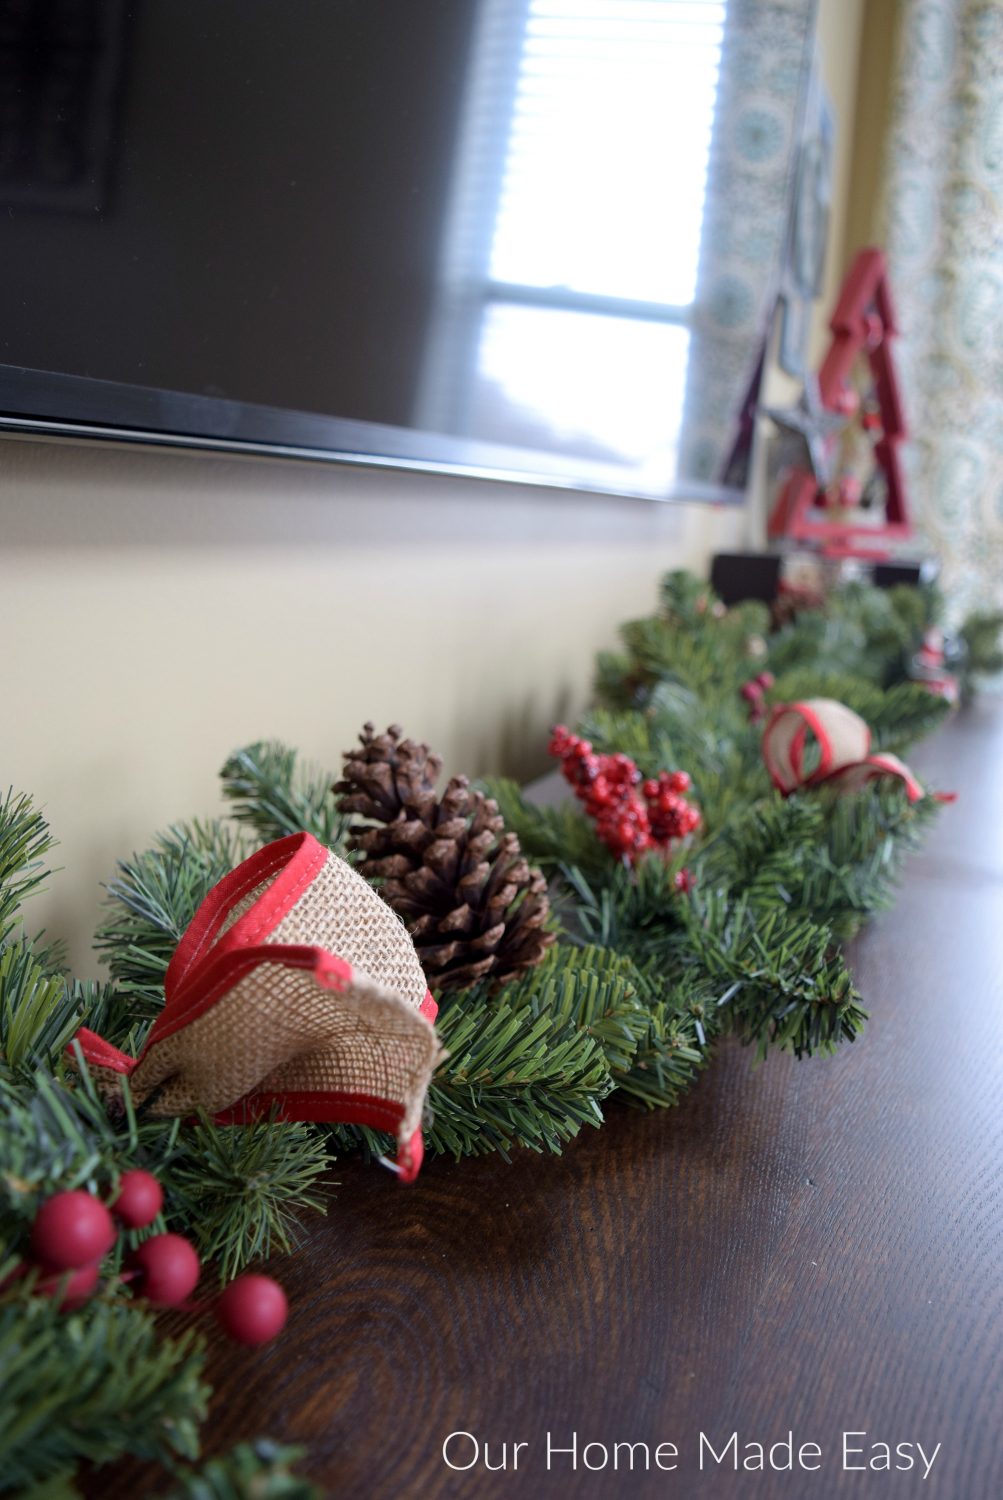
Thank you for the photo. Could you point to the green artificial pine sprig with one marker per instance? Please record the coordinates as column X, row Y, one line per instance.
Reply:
column 272, row 792
column 674, row 1047
column 862, row 632
column 981, row 637
column 629, row 914
column 261, row 1470
column 39, row 1011
column 243, row 1189
column 24, row 842
column 100, row 1382
column 598, row 991
column 57, row 1137
column 628, row 1004
column 91, row 1385
column 832, row 857
column 151, row 901
column 768, row 974
column 515, row 1076
column 691, row 642
column 787, row 985
column 634, row 911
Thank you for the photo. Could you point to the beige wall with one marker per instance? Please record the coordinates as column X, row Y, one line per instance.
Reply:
column 840, row 29
column 158, row 609
column 879, row 43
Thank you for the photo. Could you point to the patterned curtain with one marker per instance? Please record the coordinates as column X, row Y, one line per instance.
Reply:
column 944, row 234
column 763, row 61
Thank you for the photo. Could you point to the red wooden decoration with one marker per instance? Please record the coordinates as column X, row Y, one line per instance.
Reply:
column 862, row 324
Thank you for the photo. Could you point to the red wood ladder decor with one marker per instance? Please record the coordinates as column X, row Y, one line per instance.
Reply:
column 862, row 325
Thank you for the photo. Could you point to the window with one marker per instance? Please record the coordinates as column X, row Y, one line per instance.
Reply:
column 571, row 260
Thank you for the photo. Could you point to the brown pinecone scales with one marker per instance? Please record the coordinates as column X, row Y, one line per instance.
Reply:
column 473, row 905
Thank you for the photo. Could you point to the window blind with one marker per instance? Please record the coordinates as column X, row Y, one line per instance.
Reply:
column 605, row 164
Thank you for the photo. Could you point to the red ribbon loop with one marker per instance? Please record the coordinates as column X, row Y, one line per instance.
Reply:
column 844, row 744
column 295, row 990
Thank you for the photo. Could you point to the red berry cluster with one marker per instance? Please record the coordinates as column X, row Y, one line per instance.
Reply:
column 631, row 816
column 74, row 1231
column 754, row 693
column 672, row 817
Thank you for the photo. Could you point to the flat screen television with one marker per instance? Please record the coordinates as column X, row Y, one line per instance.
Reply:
column 450, row 234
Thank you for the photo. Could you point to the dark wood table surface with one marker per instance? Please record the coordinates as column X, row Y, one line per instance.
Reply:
column 806, row 1247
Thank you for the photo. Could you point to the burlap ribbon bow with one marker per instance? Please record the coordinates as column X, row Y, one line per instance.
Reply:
column 295, row 989
column 844, row 749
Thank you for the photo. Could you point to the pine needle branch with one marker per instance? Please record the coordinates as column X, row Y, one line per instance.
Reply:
column 150, row 903
column 830, row 856
column 92, row 1385
column 271, row 791
column 261, row 1470
column 981, row 635
column 57, row 1137
column 39, row 1011
column 673, row 1049
column 243, row 1189
column 638, row 912
column 239, row 1191
column 788, row 986
column 24, row 842
column 515, row 1076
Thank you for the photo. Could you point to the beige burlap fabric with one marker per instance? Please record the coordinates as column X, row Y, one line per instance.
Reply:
column 296, row 986
column 843, row 744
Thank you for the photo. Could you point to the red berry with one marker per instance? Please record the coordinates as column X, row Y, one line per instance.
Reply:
column 139, row 1199
column 170, row 1269
column 71, row 1289
column 253, row 1309
column 71, row 1230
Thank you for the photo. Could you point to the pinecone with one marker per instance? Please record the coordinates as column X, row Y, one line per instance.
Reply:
column 472, row 904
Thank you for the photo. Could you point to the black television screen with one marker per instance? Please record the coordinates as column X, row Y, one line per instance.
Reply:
column 321, row 226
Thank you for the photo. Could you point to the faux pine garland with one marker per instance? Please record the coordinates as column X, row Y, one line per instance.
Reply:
column 647, row 972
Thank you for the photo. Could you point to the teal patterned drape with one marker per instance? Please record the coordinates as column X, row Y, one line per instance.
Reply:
column 944, row 234
column 763, row 60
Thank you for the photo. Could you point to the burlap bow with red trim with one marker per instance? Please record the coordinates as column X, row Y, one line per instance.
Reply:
column 296, row 990
column 843, row 747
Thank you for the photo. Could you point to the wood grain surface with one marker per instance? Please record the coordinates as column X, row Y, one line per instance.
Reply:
column 809, row 1247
